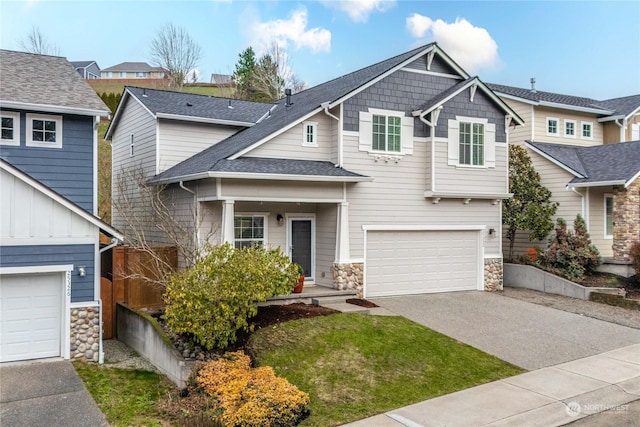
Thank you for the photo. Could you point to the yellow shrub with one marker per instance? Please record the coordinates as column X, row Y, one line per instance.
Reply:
column 251, row 397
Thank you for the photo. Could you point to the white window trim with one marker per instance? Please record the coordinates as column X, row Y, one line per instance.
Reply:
column 313, row 143
column 265, row 219
column 604, row 232
column 290, row 217
column 132, row 145
column 575, row 130
column 122, row 74
column 582, row 123
column 557, row 120
column 29, row 136
column 454, row 142
column 16, row 128
column 366, row 134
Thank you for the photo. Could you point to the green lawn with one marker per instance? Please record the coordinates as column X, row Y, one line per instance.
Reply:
column 354, row 365
column 114, row 87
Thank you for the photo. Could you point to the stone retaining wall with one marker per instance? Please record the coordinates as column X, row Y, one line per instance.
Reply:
column 85, row 334
column 348, row 276
column 493, row 274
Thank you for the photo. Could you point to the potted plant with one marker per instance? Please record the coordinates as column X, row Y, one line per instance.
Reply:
column 297, row 287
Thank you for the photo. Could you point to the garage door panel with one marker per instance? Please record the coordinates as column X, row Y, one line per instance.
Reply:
column 30, row 316
column 413, row 262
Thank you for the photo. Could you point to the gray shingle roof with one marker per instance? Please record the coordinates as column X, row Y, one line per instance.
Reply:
column 193, row 105
column 302, row 103
column 134, row 67
column 443, row 95
column 598, row 164
column 622, row 106
column 81, row 64
column 282, row 167
column 45, row 80
column 539, row 96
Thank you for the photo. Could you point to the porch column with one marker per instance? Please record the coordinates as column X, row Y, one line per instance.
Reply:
column 227, row 221
column 343, row 252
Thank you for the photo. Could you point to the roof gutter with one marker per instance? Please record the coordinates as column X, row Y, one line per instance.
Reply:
column 53, row 108
column 553, row 160
column 265, row 176
column 575, row 108
column 597, row 183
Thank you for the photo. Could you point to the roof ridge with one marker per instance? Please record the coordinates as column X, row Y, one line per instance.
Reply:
column 198, row 94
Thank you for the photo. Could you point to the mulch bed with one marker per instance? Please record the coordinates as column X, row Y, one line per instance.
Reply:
column 630, row 284
column 361, row 302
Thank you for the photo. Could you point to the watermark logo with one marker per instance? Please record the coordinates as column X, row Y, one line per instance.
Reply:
column 573, row 409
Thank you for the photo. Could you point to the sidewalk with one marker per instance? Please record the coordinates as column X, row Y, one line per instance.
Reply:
column 551, row 396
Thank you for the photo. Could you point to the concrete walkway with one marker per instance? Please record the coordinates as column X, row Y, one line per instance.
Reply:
column 46, row 394
column 552, row 396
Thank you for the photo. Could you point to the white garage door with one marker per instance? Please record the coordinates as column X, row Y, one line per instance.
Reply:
column 30, row 316
column 416, row 262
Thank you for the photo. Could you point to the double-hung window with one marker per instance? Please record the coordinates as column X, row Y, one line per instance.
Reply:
column 471, row 144
column 249, row 230
column 552, row 126
column 608, row 216
column 310, row 134
column 570, row 128
column 587, row 130
column 386, row 133
column 44, row 131
column 9, row 128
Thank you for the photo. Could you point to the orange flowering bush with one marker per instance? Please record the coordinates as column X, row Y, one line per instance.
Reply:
column 251, row 397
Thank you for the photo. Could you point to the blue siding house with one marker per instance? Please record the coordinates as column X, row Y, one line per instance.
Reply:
column 49, row 232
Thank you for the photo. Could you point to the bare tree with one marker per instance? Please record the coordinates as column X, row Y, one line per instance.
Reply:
column 36, row 42
column 175, row 51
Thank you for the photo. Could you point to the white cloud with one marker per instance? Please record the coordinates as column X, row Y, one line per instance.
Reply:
column 471, row 47
column 292, row 30
column 359, row 10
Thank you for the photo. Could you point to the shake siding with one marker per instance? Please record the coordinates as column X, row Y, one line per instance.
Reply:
column 597, row 220
column 78, row 255
column 28, row 215
column 437, row 65
column 67, row 170
column 469, row 179
column 180, row 140
column 295, row 190
column 288, row 145
column 540, row 123
column 396, row 196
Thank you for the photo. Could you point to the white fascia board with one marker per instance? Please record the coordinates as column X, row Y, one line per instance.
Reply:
column 61, row 200
column 516, row 98
column 203, row 120
column 632, row 180
column 595, row 184
column 267, row 176
column 456, row 195
column 611, row 118
column 575, row 108
column 127, row 93
column 274, row 134
column 37, row 269
column 53, row 108
column 553, row 160
column 444, row 100
column 422, row 227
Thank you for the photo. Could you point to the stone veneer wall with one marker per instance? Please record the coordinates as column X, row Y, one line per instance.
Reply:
column 85, row 333
column 348, row 276
column 493, row 274
column 626, row 219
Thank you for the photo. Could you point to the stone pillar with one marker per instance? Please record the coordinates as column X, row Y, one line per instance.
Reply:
column 228, row 213
column 348, row 276
column 342, row 233
column 493, row 273
column 626, row 219
column 85, row 334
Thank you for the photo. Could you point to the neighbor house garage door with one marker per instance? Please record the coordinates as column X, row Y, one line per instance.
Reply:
column 415, row 262
column 30, row 316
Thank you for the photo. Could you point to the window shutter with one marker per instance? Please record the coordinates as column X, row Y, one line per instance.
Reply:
column 366, row 131
column 490, row 145
column 407, row 135
column 454, row 139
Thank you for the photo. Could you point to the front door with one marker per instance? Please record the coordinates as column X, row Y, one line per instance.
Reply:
column 301, row 244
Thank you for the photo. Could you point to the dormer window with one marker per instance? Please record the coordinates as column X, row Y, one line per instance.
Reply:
column 310, row 134
column 44, row 131
column 9, row 128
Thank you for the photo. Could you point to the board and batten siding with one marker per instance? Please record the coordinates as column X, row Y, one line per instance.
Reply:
column 67, row 170
column 396, row 197
column 29, row 217
column 82, row 288
column 289, row 144
column 180, row 140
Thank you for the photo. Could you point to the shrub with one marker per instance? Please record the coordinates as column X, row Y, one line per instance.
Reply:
column 219, row 294
column 251, row 397
column 571, row 254
column 634, row 254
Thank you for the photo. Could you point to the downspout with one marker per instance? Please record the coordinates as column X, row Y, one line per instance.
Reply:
column 623, row 128
column 114, row 242
column 325, row 107
column 195, row 207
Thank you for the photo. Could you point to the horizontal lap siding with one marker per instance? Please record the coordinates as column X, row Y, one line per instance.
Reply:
column 79, row 255
column 288, row 145
column 540, row 123
column 520, row 134
column 67, row 170
column 279, row 189
column 597, row 220
column 180, row 140
column 468, row 179
column 326, row 220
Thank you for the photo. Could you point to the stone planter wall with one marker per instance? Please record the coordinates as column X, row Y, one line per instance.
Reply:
column 626, row 219
column 84, row 338
column 348, row 276
column 493, row 274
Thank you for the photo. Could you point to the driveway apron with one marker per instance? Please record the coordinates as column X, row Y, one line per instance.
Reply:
column 527, row 335
column 47, row 394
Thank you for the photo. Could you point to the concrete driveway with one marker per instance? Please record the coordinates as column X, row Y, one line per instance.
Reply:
column 528, row 335
column 45, row 394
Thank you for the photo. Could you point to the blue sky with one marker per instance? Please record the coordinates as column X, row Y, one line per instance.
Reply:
column 586, row 48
